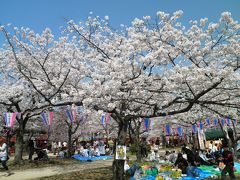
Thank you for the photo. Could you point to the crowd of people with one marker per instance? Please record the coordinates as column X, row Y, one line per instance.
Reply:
column 216, row 154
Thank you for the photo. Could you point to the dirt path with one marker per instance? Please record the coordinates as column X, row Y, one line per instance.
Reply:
column 50, row 171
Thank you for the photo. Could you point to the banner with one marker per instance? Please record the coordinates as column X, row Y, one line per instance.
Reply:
column 215, row 122
column 180, row 131
column 235, row 122
column 108, row 118
column 201, row 125
column 69, row 115
column 201, row 139
column 103, row 119
column 9, row 119
column 47, row 118
column 228, row 122
column 194, row 128
column 208, row 122
column 146, row 123
column 222, row 122
column 168, row 129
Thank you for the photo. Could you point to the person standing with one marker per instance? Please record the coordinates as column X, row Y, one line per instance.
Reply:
column 31, row 149
column 228, row 160
column 4, row 156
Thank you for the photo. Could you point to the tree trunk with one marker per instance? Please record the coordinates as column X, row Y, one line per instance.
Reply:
column 137, row 143
column 118, row 165
column 70, row 153
column 19, row 145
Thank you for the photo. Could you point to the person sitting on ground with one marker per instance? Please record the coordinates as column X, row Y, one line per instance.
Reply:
column 152, row 156
column 90, row 151
column 96, row 151
column 41, row 155
column 181, row 163
column 190, row 155
column 172, row 157
column 85, row 151
column 61, row 153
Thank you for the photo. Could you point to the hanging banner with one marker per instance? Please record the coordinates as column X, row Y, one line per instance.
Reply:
column 69, row 115
column 194, row 128
column 235, row 122
column 201, row 139
column 9, row 119
column 215, row 122
column 103, row 119
column 222, row 122
column 50, row 118
column 228, row 121
column 146, row 123
column 201, row 125
column 13, row 118
column 74, row 112
column 208, row 122
column 47, row 118
column 180, row 131
column 168, row 129
column 108, row 118
column 44, row 118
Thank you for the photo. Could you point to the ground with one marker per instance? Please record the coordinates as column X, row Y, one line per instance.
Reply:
column 72, row 169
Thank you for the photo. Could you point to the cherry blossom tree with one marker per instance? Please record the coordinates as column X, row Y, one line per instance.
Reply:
column 155, row 67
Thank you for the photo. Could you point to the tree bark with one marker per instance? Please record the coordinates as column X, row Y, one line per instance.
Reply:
column 19, row 144
column 70, row 153
column 118, row 165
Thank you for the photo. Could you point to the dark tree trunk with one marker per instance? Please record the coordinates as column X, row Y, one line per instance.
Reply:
column 19, row 144
column 138, row 147
column 70, row 149
column 118, row 165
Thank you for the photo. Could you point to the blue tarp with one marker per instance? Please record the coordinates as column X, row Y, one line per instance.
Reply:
column 81, row 158
column 201, row 174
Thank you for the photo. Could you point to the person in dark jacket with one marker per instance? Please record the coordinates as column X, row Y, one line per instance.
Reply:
column 190, row 156
column 181, row 163
column 228, row 159
column 31, row 149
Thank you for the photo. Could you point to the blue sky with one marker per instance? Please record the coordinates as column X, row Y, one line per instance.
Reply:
column 38, row 14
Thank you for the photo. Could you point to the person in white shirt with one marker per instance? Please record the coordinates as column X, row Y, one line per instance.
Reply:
column 85, row 152
column 4, row 156
column 96, row 151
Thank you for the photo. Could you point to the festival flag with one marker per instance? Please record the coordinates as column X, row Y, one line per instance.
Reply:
column 103, row 119
column 180, row 131
column 108, row 118
column 74, row 113
column 222, row 122
column 69, row 115
column 215, row 122
column 194, row 128
column 168, row 129
column 146, row 123
column 6, row 117
column 50, row 118
column 235, row 122
column 201, row 125
column 228, row 121
column 44, row 117
column 13, row 118
column 208, row 122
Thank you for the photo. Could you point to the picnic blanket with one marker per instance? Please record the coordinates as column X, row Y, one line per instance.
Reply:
column 81, row 158
column 216, row 171
column 202, row 172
